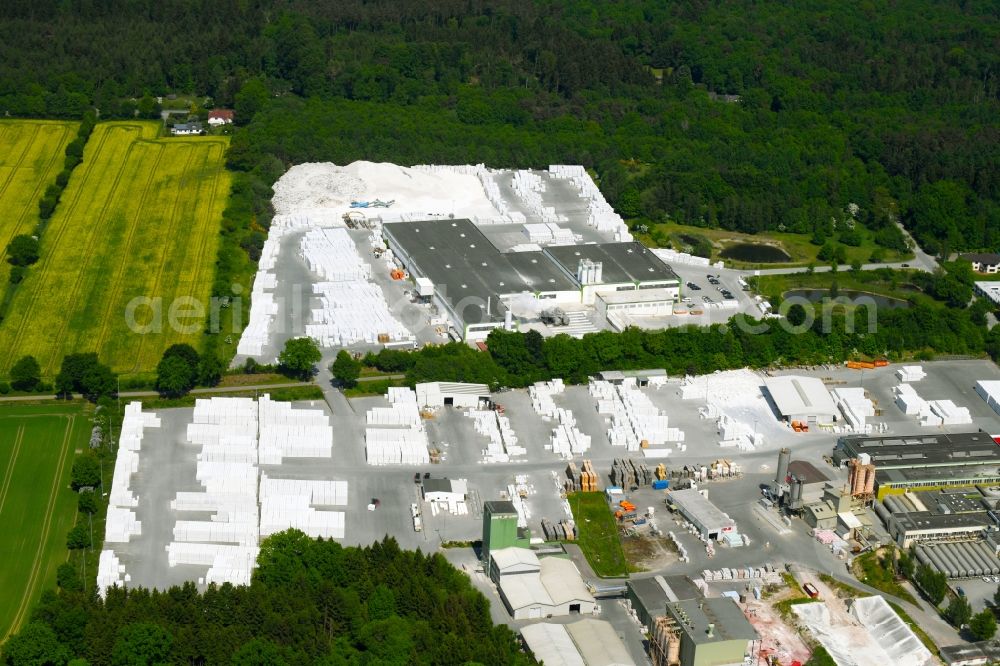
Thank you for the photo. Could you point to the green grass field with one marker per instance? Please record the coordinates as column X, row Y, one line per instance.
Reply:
column 598, row 534
column 37, row 506
column 797, row 246
column 31, row 154
column 139, row 218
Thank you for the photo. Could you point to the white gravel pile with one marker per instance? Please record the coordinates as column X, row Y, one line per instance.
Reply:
column 423, row 191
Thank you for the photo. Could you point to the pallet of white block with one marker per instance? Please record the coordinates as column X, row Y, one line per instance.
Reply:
column 211, row 554
column 318, row 492
column 397, row 414
column 401, row 394
column 121, row 525
column 243, row 533
column 110, row 572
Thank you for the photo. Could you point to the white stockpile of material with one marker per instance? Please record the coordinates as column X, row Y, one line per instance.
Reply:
column 529, row 187
column 568, row 440
column 496, row 428
column 352, row 309
column 263, row 307
column 738, row 434
column 541, row 394
column 286, row 503
column 910, row 373
column 669, row 255
column 517, row 492
column 292, row 433
column 855, row 406
column 601, row 215
column 870, row 634
column 736, row 394
column 235, row 435
column 950, row 413
column 395, row 435
column 396, row 414
column 424, row 190
column 636, row 423
column 401, row 394
column 989, row 390
column 121, row 522
column 930, row 413
column 110, row 572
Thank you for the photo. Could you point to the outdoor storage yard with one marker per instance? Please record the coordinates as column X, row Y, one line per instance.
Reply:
column 537, row 475
column 37, row 508
column 515, row 251
column 139, row 218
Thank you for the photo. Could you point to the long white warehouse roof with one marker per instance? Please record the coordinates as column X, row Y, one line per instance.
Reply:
column 584, row 643
column 558, row 582
column 794, row 394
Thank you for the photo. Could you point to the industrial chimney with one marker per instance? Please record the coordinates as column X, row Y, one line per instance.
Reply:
column 784, row 457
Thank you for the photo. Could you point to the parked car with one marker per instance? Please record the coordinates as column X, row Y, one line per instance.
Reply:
column 693, row 287
column 706, row 299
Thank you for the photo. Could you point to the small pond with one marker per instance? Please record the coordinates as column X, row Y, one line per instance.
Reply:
column 757, row 253
column 817, row 295
column 688, row 239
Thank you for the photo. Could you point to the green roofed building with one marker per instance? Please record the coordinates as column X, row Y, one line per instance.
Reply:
column 714, row 632
column 499, row 528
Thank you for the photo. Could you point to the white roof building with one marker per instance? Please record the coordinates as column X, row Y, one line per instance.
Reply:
column 457, row 394
column 533, row 588
column 583, row 643
column 801, row 399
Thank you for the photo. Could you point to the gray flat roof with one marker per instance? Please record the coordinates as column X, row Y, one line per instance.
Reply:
column 988, row 651
column 694, row 616
column 925, row 520
column 794, row 395
column 499, row 507
column 620, row 262
column 939, row 449
column 692, row 503
column 942, row 475
column 468, row 270
column 655, row 592
column 806, row 471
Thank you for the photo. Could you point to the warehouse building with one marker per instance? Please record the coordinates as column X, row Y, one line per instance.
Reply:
column 925, row 462
column 453, row 394
column 583, row 643
column 649, row 596
column 713, row 632
column 971, row 654
column 932, row 450
column 923, row 517
column 803, row 399
column 445, row 491
column 471, row 277
column 616, row 268
column 707, row 518
column 532, row 588
column 472, row 281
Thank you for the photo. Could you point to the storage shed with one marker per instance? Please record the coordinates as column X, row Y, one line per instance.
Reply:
column 583, row 643
column 555, row 588
column 707, row 518
column 797, row 398
column 452, row 394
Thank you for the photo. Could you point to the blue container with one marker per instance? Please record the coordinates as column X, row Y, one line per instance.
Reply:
column 661, row 484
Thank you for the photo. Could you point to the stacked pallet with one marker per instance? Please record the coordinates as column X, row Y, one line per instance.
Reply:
column 588, row 479
column 564, row 530
column 626, row 474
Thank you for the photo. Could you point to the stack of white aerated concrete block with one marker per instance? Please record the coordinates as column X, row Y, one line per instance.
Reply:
column 910, row 373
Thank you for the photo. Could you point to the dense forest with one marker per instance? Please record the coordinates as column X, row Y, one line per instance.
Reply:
column 519, row 359
column 749, row 116
column 310, row 602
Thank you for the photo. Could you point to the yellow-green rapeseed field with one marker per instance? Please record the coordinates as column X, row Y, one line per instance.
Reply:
column 139, row 218
column 31, row 154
